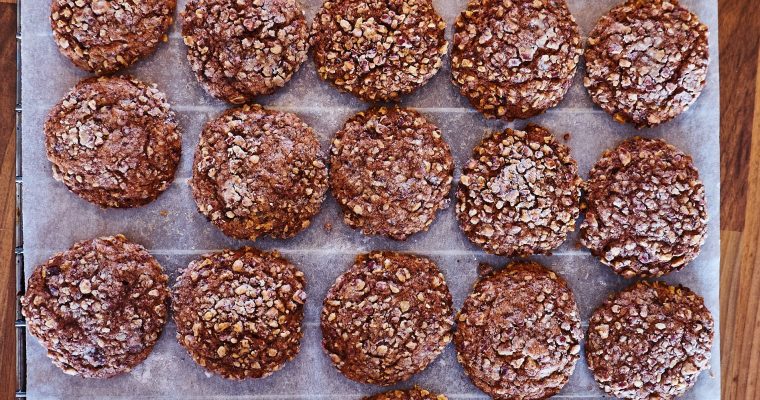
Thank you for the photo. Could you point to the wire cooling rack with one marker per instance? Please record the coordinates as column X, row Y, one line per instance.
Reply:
column 19, row 233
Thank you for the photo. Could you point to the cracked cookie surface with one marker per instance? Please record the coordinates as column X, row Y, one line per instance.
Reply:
column 519, row 332
column 386, row 318
column 650, row 341
column 242, row 49
column 517, row 58
column 105, row 36
column 99, row 307
column 646, row 214
column 259, row 172
column 646, row 61
column 378, row 50
column 239, row 312
column 391, row 172
column 114, row 141
column 519, row 194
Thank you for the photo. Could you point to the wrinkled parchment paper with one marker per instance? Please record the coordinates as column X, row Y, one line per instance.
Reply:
column 175, row 233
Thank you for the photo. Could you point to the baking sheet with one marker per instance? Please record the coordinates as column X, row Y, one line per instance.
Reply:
column 173, row 231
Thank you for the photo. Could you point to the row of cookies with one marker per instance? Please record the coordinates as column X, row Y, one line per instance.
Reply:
column 646, row 61
column 99, row 309
column 115, row 142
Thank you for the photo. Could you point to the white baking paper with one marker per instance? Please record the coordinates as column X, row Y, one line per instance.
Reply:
column 175, row 233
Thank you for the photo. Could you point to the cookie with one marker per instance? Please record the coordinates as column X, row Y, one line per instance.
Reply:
column 516, row 58
column 114, row 141
column 99, row 307
column 386, row 318
column 391, row 171
column 242, row 49
column 239, row 312
column 105, row 36
column 378, row 50
column 518, row 333
column 519, row 194
column 646, row 214
column 650, row 341
column 646, row 61
column 258, row 172
column 415, row 393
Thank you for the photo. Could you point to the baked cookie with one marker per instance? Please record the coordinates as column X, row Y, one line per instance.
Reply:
column 415, row 393
column 646, row 213
column 239, row 312
column 114, row 141
column 515, row 59
column 105, row 36
column 386, row 318
column 378, row 49
column 99, row 307
column 243, row 49
column 258, row 172
column 518, row 334
column 646, row 61
column 391, row 171
column 519, row 194
column 650, row 341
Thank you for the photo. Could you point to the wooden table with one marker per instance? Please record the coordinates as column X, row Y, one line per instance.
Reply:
column 740, row 197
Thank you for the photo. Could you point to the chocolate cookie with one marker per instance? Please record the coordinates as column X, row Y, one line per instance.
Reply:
column 515, row 59
column 386, row 318
column 518, row 334
column 104, row 36
column 243, row 49
column 646, row 214
column 239, row 312
column 650, row 341
column 519, row 194
column 415, row 393
column 378, row 49
column 99, row 307
column 391, row 172
column 114, row 141
column 259, row 172
column 646, row 61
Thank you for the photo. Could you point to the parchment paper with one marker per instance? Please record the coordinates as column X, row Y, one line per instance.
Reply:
column 175, row 233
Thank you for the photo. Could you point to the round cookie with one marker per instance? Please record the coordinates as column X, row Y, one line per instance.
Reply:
column 515, row 59
column 646, row 61
column 243, row 49
column 99, row 307
column 105, row 36
column 518, row 334
column 650, row 341
column 391, row 171
column 259, row 172
column 378, row 50
column 415, row 393
column 386, row 318
column 114, row 141
column 239, row 312
column 645, row 209
column 519, row 194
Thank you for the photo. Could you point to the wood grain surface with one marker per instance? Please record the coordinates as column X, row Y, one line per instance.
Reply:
column 740, row 198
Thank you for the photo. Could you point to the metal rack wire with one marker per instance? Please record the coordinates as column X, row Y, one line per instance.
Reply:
column 19, row 233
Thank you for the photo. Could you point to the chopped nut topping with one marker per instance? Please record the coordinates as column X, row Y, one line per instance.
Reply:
column 88, row 306
column 656, row 354
column 520, row 193
column 380, row 336
column 646, row 62
column 646, row 214
column 264, row 316
column 513, row 346
column 377, row 49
